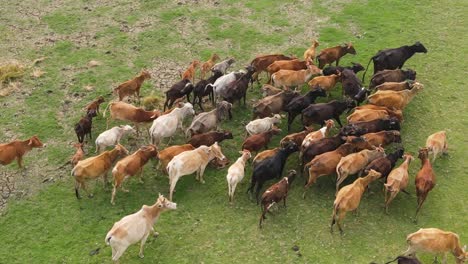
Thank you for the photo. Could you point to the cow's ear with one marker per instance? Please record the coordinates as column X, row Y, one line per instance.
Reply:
column 241, row 152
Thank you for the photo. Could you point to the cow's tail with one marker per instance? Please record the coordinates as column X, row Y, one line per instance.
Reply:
column 367, row 67
column 105, row 110
column 108, row 239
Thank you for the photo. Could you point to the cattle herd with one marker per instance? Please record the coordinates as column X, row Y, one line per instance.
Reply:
column 357, row 149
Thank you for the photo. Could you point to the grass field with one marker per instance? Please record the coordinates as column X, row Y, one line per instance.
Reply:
column 44, row 222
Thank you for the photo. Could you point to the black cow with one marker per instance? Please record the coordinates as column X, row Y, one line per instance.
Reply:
column 391, row 76
column 385, row 164
column 361, row 128
column 203, row 89
column 319, row 113
column 178, row 90
column 298, row 104
column 83, row 127
column 405, row 260
column 238, row 89
column 352, row 86
column 356, row 67
column 391, row 59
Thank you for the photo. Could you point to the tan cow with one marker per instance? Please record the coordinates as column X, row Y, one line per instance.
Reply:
column 309, row 54
column 436, row 241
column 192, row 161
column 17, row 149
column 79, row 154
column 136, row 227
column 365, row 115
column 327, row 83
column 397, row 180
column 290, row 78
column 167, row 154
column 437, row 143
column 394, row 99
column 127, row 112
column 94, row 167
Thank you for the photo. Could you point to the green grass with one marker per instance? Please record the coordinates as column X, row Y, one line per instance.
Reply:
column 52, row 226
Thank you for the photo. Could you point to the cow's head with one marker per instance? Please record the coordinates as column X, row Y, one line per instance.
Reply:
column 419, row 47
column 374, row 175
column 122, row 151
column 410, row 74
column 34, row 142
column 151, row 149
column 227, row 135
column 423, row 153
column 357, row 67
column 216, row 150
column 350, row 48
column 128, row 129
column 397, row 136
column 359, row 143
column 165, row 204
column 463, row 256
column 361, row 95
column 145, row 74
column 319, row 92
column 291, row 147
column 100, row 100
column 393, row 124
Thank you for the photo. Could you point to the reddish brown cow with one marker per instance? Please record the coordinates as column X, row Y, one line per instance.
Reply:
column 425, row 179
column 17, row 149
column 256, row 142
column 209, row 138
column 93, row 107
column 79, row 154
column 132, row 86
column 329, row 55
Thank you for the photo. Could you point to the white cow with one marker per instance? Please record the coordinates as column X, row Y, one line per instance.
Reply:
column 112, row 137
column 236, row 172
column 166, row 125
column 258, row 126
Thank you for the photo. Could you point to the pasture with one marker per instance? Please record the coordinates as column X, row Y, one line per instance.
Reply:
column 43, row 222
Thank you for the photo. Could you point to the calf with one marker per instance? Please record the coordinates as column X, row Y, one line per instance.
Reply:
column 112, row 137
column 132, row 87
column 325, row 82
column 17, row 149
column 182, row 88
column 356, row 67
column 397, row 180
column 209, row 138
column 349, row 197
column 270, row 168
column 437, row 143
column 130, row 166
column 361, row 128
column 276, row 193
column 390, row 59
column 127, row 112
column 94, row 167
column 391, row 76
column 318, row 113
column 396, row 86
column 192, row 161
column 264, row 155
column 297, row 138
column 356, row 162
column 207, row 65
column 79, row 154
column 309, row 54
column 299, row 103
column 223, row 66
column 436, row 241
column 166, row 126
column 291, row 78
column 383, row 138
column 268, row 90
column 273, row 104
column 258, row 141
column 93, row 107
column 384, row 165
column 330, row 55
column 167, row 154
column 236, row 173
column 189, row 74
column 425, row 179
column 136, row 227
column 83, row 127
column 202, row 89
column 262, row 125
column 394, row 100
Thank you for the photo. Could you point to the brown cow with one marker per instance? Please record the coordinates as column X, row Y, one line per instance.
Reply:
column 297, row 138
column 209, row 138
column 132, row 86
column 293, row 65
column 325, row 82
column 17, row 149
column 256, row 142
column 207, row 65
column 79, row 154
column 309, row 54
column 167, row 154
column 425, row 179
column 260, row 63
column 329, row 55
column 93, row 107
column 127, row 112
column 94, row 167
column 394, row 99
column 189, row 74
column 365, row 115
column 397, row 181
column 131, row 165
column 273, row 104
column 383, row 138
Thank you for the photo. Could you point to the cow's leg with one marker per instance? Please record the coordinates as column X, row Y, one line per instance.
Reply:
column 119, row 251
column 341, row 215
column 337, row 62
column 140, row 175
column 337, row 118
column 77, row 189
column 19, row 160
column 257, row 191
column 202, row 171
column 142, row 245
column 173, row 183
column 83, row 186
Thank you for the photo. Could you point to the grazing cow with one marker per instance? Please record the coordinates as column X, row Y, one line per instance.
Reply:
column 270, row 168
column 167, row 125
column 127, row 112
column 236, row 173
column 136, row 227
column 356, row 67
column 437, row 143
column 361, row 128
column 178, row 90
column 309, row 54
column 189, row 74
column 208, row 121
column 130, row 166
column 318, row 113
column 397, row 181
column 276, row 193
column 209, row 138
column 132, row 87
column 396, row 86
column 321, row 146
column 202, row 89
column 299, row 103
column 363, row 115
column 17, row 149
column 384, row 165
column 93, row 107
column 112, row 137
column 207, row 65
column 383, row 138
column 265, row 155
column 352, row 86
column 394, row 100
column 325, row 82
column 238, row 89
column 405, row 260
column 258, row 126
column 258, row 141
column 391, row 76
column 79, row 154
column 223, row 65
column 316, row 135
column 260, row 63
column 83, row 127
column 291, row 78
column 391, row 59
column 293, row 65
column 167, row 154
column 349, row 197
column 94, row 167
column 268, row 90
column 425, row 179
column 436, row 241
column 356, row 162
column 330, row 55
column 297, row 138
column 192, row 161
column 273, row 104
column 326, row 163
